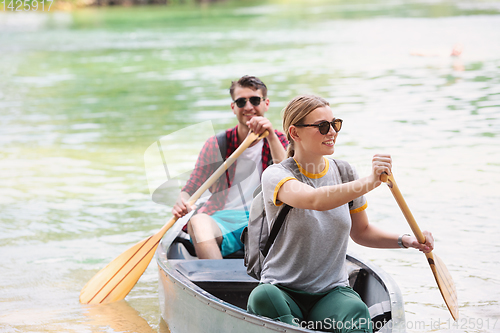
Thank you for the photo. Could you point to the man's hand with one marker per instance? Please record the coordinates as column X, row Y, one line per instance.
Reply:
column 182, row 206
column 259, row 125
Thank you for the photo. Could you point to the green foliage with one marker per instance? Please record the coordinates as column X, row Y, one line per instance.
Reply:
column 229, row 12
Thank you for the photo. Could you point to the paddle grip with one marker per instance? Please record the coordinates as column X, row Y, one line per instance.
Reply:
column 391, row 182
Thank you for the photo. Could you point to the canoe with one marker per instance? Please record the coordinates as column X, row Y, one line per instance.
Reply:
column 211, row 295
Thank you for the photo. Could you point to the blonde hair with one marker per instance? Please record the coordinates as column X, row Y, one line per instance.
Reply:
column 295, row 112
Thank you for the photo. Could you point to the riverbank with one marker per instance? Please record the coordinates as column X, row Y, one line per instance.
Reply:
column 75, row 4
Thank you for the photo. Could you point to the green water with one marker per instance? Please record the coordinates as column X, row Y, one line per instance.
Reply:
column 84, row 94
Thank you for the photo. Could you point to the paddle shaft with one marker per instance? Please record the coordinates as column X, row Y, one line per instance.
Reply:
column 404, row 207
column 439, row 270
column 115, row 281
column 251, row 138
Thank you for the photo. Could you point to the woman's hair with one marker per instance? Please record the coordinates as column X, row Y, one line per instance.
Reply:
column 295, row 112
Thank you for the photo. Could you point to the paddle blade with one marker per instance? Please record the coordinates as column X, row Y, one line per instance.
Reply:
column 115, row 281
column 445, row 283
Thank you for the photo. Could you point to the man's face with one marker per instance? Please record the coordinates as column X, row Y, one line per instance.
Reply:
column 246, row 112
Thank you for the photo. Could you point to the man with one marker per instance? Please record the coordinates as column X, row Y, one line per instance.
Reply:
column 216, row 227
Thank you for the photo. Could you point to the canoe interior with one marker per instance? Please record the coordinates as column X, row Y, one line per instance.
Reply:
column 226, row 280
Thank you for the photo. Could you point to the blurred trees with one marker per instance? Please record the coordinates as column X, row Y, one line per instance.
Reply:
column 140, row 2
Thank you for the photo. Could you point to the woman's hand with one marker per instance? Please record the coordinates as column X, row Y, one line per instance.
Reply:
column 411, row 241
column 380, row 163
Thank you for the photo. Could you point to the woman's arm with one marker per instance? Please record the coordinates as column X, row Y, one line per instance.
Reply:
column 303, row 196
column 366, row 234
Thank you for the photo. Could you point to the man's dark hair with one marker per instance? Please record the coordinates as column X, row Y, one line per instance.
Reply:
column 251, row 82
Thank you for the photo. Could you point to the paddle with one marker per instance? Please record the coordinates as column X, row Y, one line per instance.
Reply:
column 441, row 274
column 115, row 281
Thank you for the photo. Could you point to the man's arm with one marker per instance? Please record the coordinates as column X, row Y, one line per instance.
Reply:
column 201, row 172
column 278, row 152
column 260, row 124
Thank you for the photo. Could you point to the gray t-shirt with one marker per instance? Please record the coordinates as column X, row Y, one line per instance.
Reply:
column 310, row 250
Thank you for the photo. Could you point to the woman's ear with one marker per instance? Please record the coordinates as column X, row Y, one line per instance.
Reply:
column 292, row 130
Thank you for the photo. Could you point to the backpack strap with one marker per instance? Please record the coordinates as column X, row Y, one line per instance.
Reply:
column 346, row 174
column 222, row 142
column 278, row 223
column 276, row 228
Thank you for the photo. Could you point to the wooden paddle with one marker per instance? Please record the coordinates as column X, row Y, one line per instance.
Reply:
column 441, row 274
column 115, row 281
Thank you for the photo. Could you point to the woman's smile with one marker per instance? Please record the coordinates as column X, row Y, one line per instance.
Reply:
column 329, row 142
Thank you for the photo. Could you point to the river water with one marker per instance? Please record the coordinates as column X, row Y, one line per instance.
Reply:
column 83, row 94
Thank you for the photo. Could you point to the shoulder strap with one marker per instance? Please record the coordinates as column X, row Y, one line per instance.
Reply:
column 346, row 174
column 279, row 221
column 345, row 169
column 222, row 142
column 276, row 228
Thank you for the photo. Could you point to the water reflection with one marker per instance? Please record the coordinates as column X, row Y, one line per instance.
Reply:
column 118, row 316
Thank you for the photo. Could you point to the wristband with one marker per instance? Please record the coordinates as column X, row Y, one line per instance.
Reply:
column 400, row 241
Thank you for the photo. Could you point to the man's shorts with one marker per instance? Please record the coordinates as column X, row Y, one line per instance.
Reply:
column 231, row 224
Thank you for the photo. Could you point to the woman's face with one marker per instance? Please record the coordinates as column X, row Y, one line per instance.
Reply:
column 312, row 139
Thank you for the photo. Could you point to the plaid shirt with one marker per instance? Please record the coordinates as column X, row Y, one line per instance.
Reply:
column 207, row 163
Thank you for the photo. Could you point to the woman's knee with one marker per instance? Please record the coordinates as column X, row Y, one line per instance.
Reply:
column 269, row 301
column 261, row 298
column 356, row 317
column 344, row 310
column 357, row 308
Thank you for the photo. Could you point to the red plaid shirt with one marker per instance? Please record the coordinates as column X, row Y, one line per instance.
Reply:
column 208, row 162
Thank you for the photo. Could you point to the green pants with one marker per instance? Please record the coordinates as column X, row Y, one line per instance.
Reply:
column 338, row 310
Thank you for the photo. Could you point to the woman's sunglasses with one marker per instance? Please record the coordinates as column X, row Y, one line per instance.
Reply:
column 324, row 126
column 254, row 100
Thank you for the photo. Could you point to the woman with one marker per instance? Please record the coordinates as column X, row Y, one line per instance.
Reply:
column 303, row 276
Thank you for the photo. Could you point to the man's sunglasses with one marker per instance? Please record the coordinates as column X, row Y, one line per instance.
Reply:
column 254, row 100
column 324, row 126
